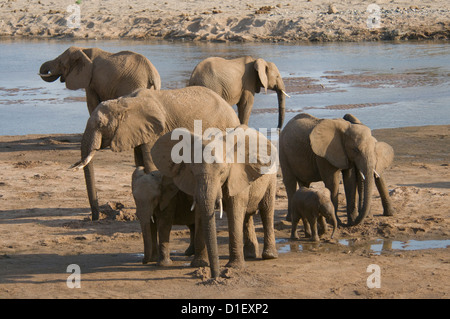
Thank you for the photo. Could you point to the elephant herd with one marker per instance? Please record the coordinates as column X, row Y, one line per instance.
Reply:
column 172, row 185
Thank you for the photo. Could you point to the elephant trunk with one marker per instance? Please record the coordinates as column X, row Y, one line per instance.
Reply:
column 206, row 201
column 90, row 142
column 368, row 186
column 327, row 210
column 47, row 71
column 281, row 106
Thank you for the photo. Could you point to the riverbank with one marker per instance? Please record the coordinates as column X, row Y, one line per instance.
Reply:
column 246, row 21
column 45, row 226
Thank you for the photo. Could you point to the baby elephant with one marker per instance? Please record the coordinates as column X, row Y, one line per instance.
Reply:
column 159, row 205
column 312, row 204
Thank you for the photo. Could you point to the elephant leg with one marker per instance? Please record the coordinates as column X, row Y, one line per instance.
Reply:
column 244, row 107
column 306, row 227
column 267, row 211
column 235, row 217
column 330, row 177
column 200, row 255
column 251, row 246
column 148, row 243
column 314, row 234
column 322, row 225
column 191, row 249
column 388, row 210
column 350, row 185
column 295, row 219
column 164, row 228
column 290, row 183
column 154, row 239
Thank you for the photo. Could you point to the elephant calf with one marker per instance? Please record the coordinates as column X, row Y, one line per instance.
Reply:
column 159, row 205
column 311, row 205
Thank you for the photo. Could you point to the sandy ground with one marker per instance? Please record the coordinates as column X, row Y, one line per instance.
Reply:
column 45, row 226
column 45, row 221
column 237, row 20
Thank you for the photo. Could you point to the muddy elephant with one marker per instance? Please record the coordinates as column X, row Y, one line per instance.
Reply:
column 313, row 150
column 138, row 119
column 384, row 157
column 312, row 205
column 102, row 74
column 159, row 205
column 237, row 81
column 233, row 172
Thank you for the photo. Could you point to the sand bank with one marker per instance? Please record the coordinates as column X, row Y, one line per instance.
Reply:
column 237, row 20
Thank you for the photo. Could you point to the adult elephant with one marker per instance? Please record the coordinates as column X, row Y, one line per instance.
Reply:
column 238, row 80
column 245, row 185
column 384, row 157
column 313, row 150
column 139, row 119
column 102, row 74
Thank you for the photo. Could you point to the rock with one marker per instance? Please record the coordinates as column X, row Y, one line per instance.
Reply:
column 332, row 9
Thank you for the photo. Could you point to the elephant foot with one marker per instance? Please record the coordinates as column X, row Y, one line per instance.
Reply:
column 198, row 262
column 315, row 239
column 250, row 251
column 236, row 264
column 189, row 251
column 270, row 254
column 165, row 262
column 388, row 212
column 148, row 259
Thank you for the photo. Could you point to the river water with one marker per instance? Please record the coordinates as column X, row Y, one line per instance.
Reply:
column 386, row 85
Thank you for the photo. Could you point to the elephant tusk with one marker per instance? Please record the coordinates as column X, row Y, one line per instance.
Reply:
column 362, row 175
column 220, row 208
column 81, row 164
column 376, row 174
column 151, row 218
column 45, row 75
column 282, row 91
column 193, row 206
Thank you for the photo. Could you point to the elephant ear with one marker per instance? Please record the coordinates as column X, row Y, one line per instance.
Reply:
column 260, row 158
column 385, row 155
column 327, row 141
column 80, row 70
column 352, row 119
column 261, row 69
column 137, row 123
column 174, row 165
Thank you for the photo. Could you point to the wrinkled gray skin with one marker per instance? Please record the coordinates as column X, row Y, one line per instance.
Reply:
column 137, row 120
column 104, row 76
column 244, row 188
column 160, row 203
column 384, row 158
column 238, row 80
column 313, row 150
column 312, row 205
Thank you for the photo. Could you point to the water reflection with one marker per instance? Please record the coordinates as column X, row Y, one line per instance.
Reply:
column 376, row 247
